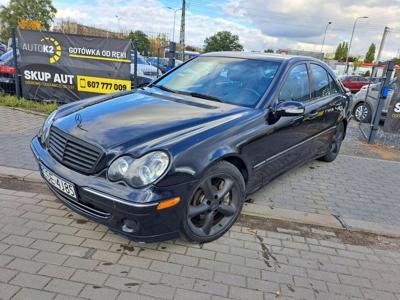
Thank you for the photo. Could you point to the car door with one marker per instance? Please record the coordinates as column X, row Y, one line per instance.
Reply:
column 329, row 102
column 282, row 144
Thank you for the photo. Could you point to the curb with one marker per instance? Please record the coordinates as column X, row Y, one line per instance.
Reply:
column 29, row 111
column 261, row 211
column 21, row 174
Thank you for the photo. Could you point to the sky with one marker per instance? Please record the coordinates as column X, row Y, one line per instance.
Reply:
column 260, row 24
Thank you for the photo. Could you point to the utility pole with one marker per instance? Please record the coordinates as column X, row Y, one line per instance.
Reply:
column 15, row 61
column 182, row 37
column 385, row 32
column 378, row 57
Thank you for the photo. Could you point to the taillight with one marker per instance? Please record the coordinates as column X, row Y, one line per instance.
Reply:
column 7, row 70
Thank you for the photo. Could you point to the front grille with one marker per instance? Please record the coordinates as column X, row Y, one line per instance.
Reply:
column 73, row 152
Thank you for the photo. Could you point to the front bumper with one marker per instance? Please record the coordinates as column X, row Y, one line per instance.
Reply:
column 115, row 205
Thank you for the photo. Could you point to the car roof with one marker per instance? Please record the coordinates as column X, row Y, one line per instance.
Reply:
column 260, row 56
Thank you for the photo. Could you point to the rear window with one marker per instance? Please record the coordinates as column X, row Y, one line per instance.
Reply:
column 320, row 80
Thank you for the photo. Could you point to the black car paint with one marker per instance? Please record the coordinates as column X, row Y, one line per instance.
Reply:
column 196, row 133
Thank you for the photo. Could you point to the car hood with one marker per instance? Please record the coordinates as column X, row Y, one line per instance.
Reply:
column 144, row 120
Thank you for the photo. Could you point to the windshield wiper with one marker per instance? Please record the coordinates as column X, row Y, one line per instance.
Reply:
column 193, row 94
column 161, row 87
column 204, row 96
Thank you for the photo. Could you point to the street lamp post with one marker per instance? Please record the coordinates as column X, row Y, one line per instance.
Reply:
column 351, row 40
column 323, row 40
column 175, row 10
column 119, row 25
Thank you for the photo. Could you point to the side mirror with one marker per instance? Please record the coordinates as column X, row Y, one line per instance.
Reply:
column 289, row 108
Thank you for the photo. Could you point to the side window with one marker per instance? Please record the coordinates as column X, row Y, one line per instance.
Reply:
column 320, row 81
column 296, row 86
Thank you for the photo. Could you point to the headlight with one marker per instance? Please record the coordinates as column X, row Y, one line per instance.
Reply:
column 141, row 171
column 44, row 132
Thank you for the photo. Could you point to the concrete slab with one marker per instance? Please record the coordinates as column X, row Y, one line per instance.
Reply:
column 371, row 227
column 14, row 172
column 290, row 215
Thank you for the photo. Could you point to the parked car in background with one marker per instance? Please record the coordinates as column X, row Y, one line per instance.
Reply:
column 374, row 80
column 146, row 73
column 3, row 48
column 179, row 156
column 7, row 71
column 162, row 63
column 365, row 102
column 354, row 83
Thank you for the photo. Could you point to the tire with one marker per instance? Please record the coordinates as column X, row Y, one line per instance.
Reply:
column 335, row 144
column 215, row 204
column 362, row 112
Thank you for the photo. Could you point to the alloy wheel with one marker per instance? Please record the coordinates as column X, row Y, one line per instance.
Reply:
column 361, row 112
column 214, row 205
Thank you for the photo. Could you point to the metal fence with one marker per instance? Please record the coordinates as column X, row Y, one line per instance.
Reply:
column 375, row 101
column 9, row 70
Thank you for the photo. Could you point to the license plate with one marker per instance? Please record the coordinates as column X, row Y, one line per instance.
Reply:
column 60, row 184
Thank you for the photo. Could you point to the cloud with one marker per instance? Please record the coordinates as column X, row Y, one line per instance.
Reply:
column 154, row 18
column 301, row 23
column 260, row 24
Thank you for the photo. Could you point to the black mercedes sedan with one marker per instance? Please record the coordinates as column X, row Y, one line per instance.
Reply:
column 178, row 157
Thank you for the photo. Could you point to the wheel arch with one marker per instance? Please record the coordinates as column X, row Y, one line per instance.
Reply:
column 231, row 157
column 345, row 123
column 239, row 164
column 360, row 102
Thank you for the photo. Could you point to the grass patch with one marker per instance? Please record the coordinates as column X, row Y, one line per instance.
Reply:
column 36, row 106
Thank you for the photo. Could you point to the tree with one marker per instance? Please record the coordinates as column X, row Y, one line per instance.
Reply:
column 338, row 52
column 25, row 10
column 370, row 56
column 341, row 51
column 269, row 51
column 356, row 63
column 222, row 41
column 191, row 48
column 141, row 41
column 397, row 60
column 159, row 41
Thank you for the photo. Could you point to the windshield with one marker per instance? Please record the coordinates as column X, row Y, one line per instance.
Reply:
column 230, row 80
column 6, row 56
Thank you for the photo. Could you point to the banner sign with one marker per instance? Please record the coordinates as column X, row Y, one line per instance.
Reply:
column 69, row 67
column 392, row 122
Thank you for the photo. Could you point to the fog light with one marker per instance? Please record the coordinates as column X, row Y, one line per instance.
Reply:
column 130, row 226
